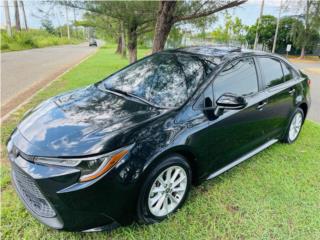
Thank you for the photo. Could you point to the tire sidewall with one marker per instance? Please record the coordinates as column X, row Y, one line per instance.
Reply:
column 287, row 138
column 143, row 212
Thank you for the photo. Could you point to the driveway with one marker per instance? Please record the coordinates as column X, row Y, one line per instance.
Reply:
column 312, row 69
column 25, row 72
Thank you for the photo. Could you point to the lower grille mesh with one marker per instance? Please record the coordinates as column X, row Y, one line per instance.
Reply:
column 31, row 194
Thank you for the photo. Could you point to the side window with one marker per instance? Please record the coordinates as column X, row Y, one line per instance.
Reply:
column 271, row 71
column 287, row 73
column 238, row 77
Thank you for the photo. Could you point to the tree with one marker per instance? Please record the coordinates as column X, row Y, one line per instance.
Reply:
column 107, row 27
column 67, row 21
column 24, row 15
column 307, row 34
column 232, row 30
column 266, row 31
column 172, row 12
column 48, row 26
column 16, row 15
column 137, row 17
column 8, row 20
column 285, row 35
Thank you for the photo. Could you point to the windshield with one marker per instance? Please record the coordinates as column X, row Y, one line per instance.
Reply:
column 163, row 79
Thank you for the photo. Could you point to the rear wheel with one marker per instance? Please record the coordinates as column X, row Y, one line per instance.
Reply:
column 294, row 126
column 164, row 190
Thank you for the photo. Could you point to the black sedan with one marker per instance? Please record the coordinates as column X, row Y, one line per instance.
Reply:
column 130, row 146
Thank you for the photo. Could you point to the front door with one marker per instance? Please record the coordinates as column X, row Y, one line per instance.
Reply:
column 237, row 132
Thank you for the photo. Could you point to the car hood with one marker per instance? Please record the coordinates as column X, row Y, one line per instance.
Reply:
column 81, row 122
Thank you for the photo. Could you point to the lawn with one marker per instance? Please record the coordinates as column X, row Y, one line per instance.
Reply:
column 274, row 195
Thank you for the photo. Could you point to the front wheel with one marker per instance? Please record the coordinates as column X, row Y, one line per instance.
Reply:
column 165, row 189
column 294, row 126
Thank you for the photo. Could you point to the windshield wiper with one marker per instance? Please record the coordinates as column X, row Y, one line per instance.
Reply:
column 130, row 95
column 119, row 91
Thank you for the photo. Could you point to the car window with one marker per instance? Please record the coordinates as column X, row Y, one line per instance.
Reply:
column 287, row 73
column 294, row 72
column 271, row 71
column 164, row 79
column 238, row 77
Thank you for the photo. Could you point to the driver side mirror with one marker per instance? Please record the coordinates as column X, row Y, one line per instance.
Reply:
column 225, row 101
column 231, row 101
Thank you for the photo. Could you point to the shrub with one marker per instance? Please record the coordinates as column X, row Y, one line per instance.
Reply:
column 4, row 46
column 34, row 38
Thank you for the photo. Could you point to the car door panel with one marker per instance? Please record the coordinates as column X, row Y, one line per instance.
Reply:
column 280, row 100
column 236, row 132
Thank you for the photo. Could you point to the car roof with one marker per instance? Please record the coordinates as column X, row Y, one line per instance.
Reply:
column 221, row 53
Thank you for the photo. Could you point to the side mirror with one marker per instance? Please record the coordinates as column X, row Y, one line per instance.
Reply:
column 231, row 101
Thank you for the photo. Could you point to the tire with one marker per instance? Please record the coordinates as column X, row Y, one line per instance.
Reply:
column 294, row 127
column 150, row 209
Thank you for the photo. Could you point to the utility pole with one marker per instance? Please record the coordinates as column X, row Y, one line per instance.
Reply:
column 67, row 19
column 16, row 15
column 24, row 15
column 8, row 20
column 259, row 21
column 277, row 29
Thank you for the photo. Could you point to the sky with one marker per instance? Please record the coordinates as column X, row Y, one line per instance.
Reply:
column 247, row 12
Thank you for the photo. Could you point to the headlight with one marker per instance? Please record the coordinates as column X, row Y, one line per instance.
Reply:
column 92, row 167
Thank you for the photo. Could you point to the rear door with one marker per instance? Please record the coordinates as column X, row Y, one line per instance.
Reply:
column 280, row 90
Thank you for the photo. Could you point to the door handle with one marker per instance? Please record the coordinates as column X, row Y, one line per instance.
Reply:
column 292, row 91
column 261, row 105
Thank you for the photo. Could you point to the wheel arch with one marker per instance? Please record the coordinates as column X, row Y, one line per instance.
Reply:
column 183, row 150
column 304, row 107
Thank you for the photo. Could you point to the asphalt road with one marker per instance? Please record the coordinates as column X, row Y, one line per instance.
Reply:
column 25, row 72
column 312, row 69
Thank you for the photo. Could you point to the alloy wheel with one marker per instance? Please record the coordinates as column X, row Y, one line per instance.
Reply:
column 295, row 126
column 167, row 191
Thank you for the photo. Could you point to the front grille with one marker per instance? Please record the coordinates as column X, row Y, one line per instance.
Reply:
column 31, row 194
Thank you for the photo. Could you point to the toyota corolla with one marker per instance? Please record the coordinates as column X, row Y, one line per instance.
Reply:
column 129, row 147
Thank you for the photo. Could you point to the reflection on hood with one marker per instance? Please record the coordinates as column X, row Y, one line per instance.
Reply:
column 80, row 122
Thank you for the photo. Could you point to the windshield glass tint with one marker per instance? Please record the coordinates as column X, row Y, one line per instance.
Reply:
column 164, row 79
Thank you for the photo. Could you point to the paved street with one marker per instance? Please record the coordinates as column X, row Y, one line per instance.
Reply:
column 312, row 69
column 25, row 72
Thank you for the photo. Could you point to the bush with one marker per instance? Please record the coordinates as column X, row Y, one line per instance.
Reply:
column 34, row 38
column 4, row 46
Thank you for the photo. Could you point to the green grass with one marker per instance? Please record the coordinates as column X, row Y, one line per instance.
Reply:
column 274, row 195
column 33, row 38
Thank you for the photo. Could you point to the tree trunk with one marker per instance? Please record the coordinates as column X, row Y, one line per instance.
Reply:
column 24, row 15
column 119, row 45
column 302, row 52
column 132, row 43
column 8, row 20
column 165, row 21
column 16, row 15
column 123, row 41
column 67, row 22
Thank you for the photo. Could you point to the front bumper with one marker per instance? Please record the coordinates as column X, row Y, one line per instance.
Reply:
column 54, row 196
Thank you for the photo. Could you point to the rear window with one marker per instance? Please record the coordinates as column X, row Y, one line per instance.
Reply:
column 287, row 73
column 271, row 71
